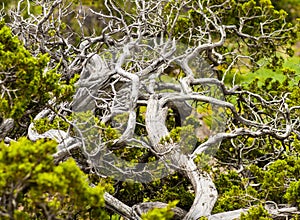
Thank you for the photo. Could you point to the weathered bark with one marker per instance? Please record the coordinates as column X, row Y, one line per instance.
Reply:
column 276, row 213
column 205, row 191
column 58, row 135
column 119, row 207
column 155, row 122
column 230, row 215
column 147, row 206
column 5, row 127
column 93, row 76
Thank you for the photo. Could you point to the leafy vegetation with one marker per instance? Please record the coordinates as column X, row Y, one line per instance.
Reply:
column 248, row 171
column 26, row 83
column 32, row 187
column 160, row 214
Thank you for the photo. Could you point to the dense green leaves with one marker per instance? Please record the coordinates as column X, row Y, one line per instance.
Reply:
column 276, row 181
column 27, row 85
column 256, row 213
column 290, row 6
column 32, row 187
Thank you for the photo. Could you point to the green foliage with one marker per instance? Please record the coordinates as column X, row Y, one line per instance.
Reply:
column 292, row 7
column 256, row 213
column 276, row 182
column 94, row 132
column 273, row 181
column 231, row 13
column 32, row 187
column 185, row 135
column 284, row 80
column 173, row 187
column 295, row 217
column 233, row 195
column 267, row 177
column 26, row 83
column 289, row 71
column 293, row 193
column 160, row 213
column 168, row 189
column 225, row 181
column 45, row 124
column 140, row 128
column 203, row 161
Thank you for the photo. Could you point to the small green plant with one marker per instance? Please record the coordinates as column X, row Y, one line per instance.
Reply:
column 160, row 213
column 256, row 213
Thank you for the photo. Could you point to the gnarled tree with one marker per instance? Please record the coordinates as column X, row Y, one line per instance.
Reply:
column 154, row 94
